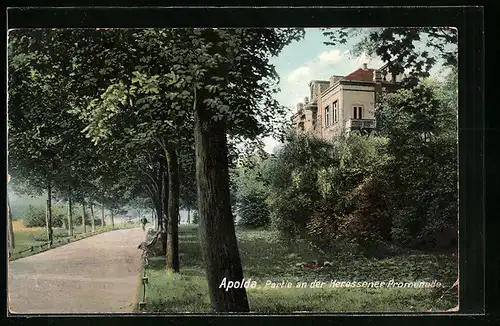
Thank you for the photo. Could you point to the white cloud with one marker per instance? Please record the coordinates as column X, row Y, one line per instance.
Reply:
column 303, row 71
column 332, row 56
column 322, row 66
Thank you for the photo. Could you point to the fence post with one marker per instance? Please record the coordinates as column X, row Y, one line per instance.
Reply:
column 144, row 281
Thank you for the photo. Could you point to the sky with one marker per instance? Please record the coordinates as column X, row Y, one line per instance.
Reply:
column 310, row 59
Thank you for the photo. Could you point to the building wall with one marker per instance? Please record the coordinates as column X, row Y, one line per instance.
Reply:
column 305, row 117
column 327, row 99
column 316, row 88
column 308, row 124
column 347, row 96
column 355, row 95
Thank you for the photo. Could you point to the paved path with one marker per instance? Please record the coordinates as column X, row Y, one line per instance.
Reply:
column 99, row 274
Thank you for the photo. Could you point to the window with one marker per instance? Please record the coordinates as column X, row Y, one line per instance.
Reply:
column 327, row 116
column 357, row 112
column 335, row 111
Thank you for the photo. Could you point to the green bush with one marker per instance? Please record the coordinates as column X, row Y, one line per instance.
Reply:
column 252, row 209
column 421, row 126
column 291, row 178
column 34, row 216
column 350, row 208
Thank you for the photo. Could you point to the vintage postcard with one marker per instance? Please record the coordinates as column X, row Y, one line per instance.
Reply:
column 237, row 170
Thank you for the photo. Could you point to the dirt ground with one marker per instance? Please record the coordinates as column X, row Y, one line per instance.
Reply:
column 99, row 274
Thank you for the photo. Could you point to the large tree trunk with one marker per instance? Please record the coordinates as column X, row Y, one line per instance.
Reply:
column 92, row 221
column 64, row 224
column 157, row 213
column 112, row 219
column 160, row 205
column 84, row 225
column 216, row 226
column 49, row 212
column 12, row 244
column 189, row 216
column 164, row 211
column 103, row 222
column 153, row 219
column 173, row 211
column 70, row 216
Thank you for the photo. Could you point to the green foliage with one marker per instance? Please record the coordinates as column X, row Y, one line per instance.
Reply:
column 414, row 50
column 422, row 129
column 195, row 218
column 252, row 210
column 250, row 192
column 35, row 216
column 397, row 185
column 291, row 177
column 349, row 210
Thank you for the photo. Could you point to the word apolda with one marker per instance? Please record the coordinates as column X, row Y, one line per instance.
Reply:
column 244, row 283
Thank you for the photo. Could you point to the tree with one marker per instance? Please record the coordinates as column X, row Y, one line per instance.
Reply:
column 209, row 71
column 32, row 151
column 291, row 178
column 55, row 155
column 401, row 47
column 162, row 88
column 70, row 217
column 235, row 57
column 187, row 175
column 11, row 238
column 421, row 126
column 251, row 192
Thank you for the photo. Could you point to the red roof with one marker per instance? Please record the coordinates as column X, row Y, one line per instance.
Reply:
column 361, row 75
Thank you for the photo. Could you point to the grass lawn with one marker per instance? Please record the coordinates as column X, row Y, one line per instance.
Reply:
column 25, row 238
column 266, row 257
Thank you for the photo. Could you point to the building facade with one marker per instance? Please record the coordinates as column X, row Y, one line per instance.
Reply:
column 344, row 103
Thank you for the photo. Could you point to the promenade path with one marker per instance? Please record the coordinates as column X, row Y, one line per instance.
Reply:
column 99, row 274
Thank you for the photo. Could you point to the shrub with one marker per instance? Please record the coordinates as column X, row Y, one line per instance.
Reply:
column 291, row 177
column 34, row 216
column 252, row 209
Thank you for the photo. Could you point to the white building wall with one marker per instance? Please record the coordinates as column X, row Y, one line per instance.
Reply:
column 354, row 95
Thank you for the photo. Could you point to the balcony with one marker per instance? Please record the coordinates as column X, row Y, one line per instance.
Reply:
column 352, row 124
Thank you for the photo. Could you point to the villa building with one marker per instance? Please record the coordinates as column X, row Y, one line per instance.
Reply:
column 344, row 103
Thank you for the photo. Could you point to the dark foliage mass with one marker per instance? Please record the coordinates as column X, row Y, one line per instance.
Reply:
column 397, row 186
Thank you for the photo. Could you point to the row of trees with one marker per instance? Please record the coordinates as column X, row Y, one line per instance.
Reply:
column 110, row 115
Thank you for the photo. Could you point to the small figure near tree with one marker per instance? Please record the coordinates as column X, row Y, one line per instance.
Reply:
column 143, row 223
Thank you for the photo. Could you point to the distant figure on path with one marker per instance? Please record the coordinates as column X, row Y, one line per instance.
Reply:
column 143, row 222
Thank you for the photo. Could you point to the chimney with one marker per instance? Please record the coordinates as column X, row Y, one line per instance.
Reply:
column 299, row 107
column 365, row 66
column 377, row 76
